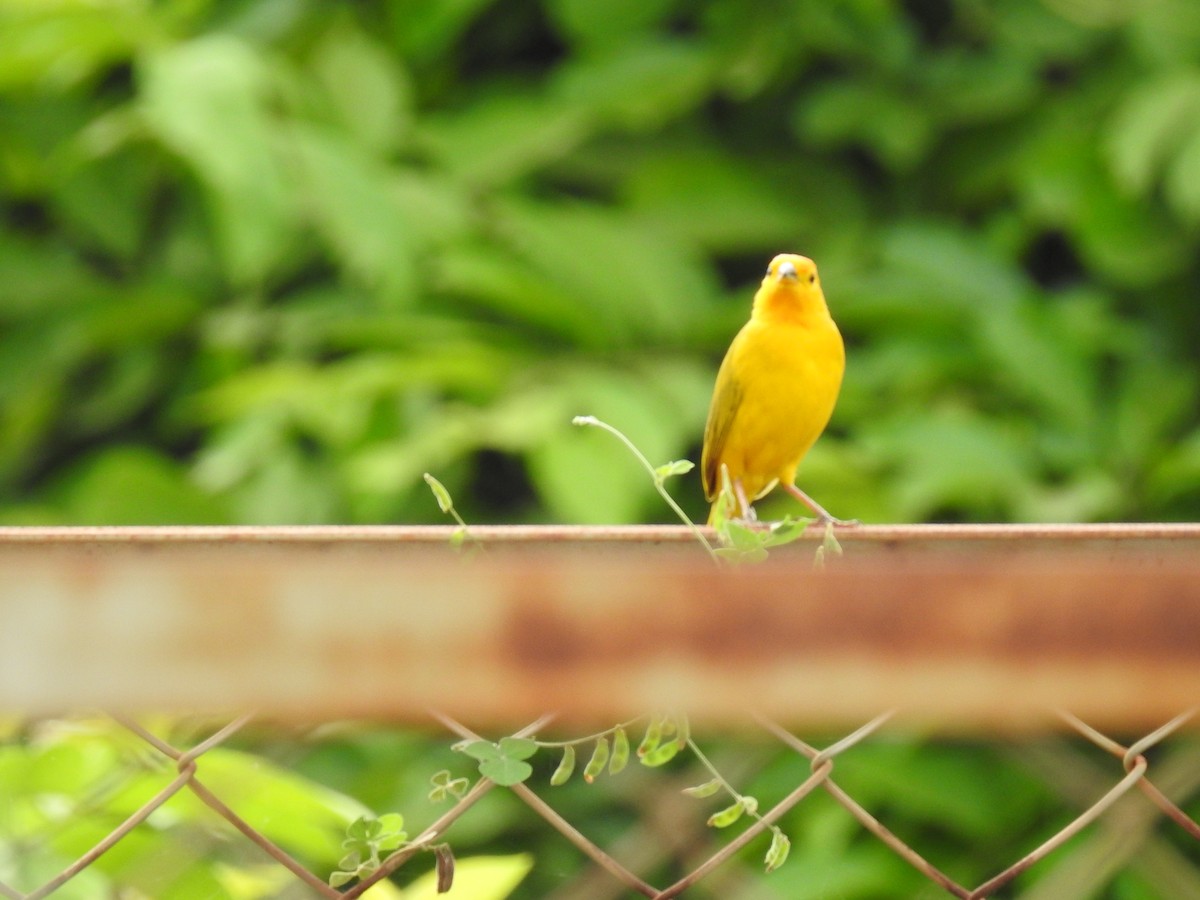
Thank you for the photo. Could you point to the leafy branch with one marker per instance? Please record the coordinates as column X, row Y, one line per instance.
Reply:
column 743, row 804
column 505, row 762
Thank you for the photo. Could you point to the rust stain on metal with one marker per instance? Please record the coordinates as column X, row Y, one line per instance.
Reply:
column 956, row 610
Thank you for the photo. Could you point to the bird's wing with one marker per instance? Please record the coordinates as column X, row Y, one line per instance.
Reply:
column 727, row 399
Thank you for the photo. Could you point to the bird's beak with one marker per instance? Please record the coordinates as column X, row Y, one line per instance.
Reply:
column 787, row 272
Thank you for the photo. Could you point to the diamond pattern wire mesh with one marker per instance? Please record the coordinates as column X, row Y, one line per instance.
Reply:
column 815, row 771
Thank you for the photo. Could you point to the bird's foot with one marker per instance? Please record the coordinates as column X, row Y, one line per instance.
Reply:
column 828, row 521
column 823, row 516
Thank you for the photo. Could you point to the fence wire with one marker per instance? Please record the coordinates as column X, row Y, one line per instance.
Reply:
column 618, row 865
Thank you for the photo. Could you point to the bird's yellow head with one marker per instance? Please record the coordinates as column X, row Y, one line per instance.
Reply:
column 791, row 290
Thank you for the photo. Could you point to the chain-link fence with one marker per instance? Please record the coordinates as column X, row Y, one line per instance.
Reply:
column 182, row 771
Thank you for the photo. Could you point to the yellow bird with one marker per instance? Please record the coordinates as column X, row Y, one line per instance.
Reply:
column 776, row 389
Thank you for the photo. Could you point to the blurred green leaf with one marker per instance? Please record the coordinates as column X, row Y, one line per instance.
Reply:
column 1167, row 33
column 972, row 86
column 952, row 458
column 366, row 85
column 888, row 121
column 208, row 101
column 1183, row 187
column 135, row 486
column 642, row 85
column 108, row 201
column 298, row 814
column 1040, row 360
column 1177, row 475
column 690, row 193
column 490, row 279
column 633, row 280
column 353, row 207
column 506, row 137
column 607, row 24
column 1064, row 183
column 952, row 269
column 60, row 44
column 1150, row 407
column 1150, row 126
column 425, row 30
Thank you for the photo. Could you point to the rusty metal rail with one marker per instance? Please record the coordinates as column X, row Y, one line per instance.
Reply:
column 973, row 627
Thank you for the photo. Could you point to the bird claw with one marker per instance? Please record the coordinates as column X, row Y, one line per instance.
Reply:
column 828, row 521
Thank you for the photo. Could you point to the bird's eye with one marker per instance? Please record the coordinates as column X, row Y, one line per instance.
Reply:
column 812, row 279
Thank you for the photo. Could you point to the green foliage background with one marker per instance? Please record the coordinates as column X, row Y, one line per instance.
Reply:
column 267, row 261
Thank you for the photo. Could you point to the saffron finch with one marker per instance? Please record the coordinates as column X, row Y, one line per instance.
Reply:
column 775, row 390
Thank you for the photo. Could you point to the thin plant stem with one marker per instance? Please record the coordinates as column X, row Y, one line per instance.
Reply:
column 659, row 484
column 549, row 745
column 446, row 504
column 712, row 770
column 730, row 789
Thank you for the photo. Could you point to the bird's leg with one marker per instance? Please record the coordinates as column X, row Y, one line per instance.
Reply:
column 748, row 513
column 823, row 516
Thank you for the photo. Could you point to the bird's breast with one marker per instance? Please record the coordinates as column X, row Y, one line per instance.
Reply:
column 783, row 363
column 790, row 376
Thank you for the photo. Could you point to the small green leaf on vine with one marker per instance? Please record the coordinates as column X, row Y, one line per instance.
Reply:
column 652, row 737
column 727, row 816
column 707, row 789
column 673, row 468
column 504, row 763
column 445, row 786
column 566, row 766
column 777, row 854
column 620, row 752
column 660, row 755
column 598, row 761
